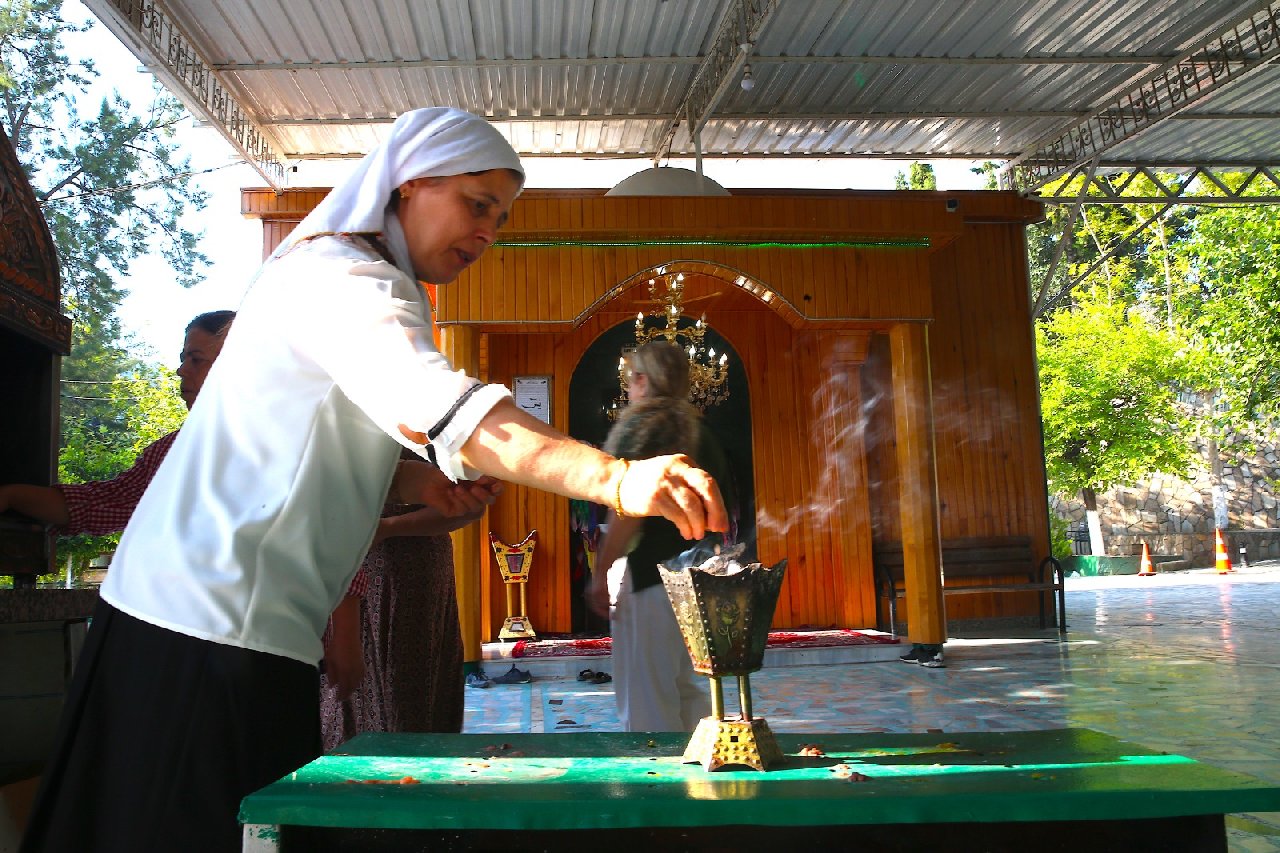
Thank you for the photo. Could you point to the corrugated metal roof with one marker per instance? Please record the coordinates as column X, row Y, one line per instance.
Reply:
column 989, row 79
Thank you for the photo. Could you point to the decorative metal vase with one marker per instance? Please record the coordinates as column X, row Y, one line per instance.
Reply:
column 724, row 614
column 514, row 562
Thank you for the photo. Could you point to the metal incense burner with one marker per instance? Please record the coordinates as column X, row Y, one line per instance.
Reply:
column 724, row 613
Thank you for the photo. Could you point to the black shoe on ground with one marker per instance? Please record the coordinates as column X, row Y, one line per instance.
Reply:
column 513, row 676
column 925, row 655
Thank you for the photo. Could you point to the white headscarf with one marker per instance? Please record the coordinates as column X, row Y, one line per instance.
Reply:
column 427, row 143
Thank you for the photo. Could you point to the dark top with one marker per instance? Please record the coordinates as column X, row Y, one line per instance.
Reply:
column 660, row 539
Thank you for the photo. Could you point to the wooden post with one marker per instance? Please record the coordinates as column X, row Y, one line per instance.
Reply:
column 840, row 416
column 461, row 345
column 917, row 483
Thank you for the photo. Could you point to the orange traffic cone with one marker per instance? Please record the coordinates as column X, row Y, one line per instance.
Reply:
column 1221, row 558
column 1145, row 569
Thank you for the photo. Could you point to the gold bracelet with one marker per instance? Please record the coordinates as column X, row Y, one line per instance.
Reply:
column 617, row 491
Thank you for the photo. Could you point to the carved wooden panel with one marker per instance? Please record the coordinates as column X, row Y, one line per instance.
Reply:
column 29, row 283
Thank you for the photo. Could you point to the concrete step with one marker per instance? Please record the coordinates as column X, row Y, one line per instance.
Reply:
column 497, row 659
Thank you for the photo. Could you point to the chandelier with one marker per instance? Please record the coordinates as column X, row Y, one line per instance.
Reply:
column 707, row 372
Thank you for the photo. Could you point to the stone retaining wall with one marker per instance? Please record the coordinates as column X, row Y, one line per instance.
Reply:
column 1175, row 516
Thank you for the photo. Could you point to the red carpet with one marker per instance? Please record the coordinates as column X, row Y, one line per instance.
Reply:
column 570, row 647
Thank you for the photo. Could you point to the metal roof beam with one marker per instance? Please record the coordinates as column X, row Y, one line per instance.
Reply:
column 742, row 24
column 1115, row 249
column 844, row 115
column 909, row 115
column 639, row 154
column 1213, row 65
column 647, row 61
column 1201, row 185
column 152, row 32
column 1042, row 293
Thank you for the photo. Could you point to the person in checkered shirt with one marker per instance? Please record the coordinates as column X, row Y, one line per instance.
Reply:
column 104, row 507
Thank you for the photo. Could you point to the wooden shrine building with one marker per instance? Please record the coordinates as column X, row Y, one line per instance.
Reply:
column 882, row 382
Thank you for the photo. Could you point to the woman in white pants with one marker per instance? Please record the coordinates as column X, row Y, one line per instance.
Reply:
column 653, row 677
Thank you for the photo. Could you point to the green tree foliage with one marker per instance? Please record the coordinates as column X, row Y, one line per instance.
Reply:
column 145, row 400
column 1233, row 307
column 1205, row 275
column 106, row 178
column 112, row 189
column 1107, row 381
column 919, row 176
column 989, row 170
column 1125, row 249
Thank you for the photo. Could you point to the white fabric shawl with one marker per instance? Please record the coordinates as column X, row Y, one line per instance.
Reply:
column 428, row 143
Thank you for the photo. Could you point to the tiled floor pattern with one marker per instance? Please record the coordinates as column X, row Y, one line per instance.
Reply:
column 1186, row 662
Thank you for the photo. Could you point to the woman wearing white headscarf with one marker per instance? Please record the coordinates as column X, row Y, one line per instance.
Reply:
column 198, row 683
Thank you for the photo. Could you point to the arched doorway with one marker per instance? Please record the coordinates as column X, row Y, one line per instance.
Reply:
column 593, row 388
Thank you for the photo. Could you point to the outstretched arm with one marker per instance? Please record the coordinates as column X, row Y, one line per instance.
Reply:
column 517, row 447
column 43, row 503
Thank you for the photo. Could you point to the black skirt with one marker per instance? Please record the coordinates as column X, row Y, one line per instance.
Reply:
column 163, row 735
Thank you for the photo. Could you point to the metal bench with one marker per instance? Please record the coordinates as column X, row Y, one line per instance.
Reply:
column 966, row 564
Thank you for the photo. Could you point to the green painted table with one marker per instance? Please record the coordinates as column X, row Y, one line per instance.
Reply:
column 1064, row 789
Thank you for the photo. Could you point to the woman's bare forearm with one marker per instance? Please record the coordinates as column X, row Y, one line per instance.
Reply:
column 517, row 447
column 424, row 522
column 512, row 445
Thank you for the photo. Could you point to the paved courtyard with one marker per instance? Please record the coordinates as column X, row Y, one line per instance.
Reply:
column 1187, row 662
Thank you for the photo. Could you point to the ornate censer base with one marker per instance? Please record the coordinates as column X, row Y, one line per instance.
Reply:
column 517, row 628
column 724, row 743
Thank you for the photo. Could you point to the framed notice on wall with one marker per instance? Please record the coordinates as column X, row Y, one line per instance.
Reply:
column 533, row 394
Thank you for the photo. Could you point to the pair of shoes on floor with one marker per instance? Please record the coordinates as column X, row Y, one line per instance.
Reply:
column 926, row 655
column 514, row 676
column 592, row 677
column 478, row 679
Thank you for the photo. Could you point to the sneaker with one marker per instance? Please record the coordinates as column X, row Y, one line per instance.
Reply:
column 925, row 655
column 514, row 676
column 478, row 679
column 912, row 656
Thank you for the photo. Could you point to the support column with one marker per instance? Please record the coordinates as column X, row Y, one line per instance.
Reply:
column 917, row 483
column 461, row 345
column 844, row 487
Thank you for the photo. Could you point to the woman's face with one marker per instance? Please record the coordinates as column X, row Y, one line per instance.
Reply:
column 449, row 222
column 637, row 386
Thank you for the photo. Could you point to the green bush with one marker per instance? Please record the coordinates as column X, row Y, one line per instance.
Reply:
column 1059, row 538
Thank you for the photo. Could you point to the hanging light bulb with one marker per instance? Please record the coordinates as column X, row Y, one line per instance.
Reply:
column 748, row 82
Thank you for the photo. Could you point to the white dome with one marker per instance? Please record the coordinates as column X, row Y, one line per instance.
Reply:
column 667, row 180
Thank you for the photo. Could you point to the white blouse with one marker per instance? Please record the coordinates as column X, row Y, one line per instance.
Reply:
column 263, row 509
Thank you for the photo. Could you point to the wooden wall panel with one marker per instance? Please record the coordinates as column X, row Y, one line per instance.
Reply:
column 521, row 509
column 986, row 404
column 822, row 283
column 538, row 309
column 809, row 510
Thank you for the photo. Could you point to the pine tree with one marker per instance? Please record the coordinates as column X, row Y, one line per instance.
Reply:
column 112, row 188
